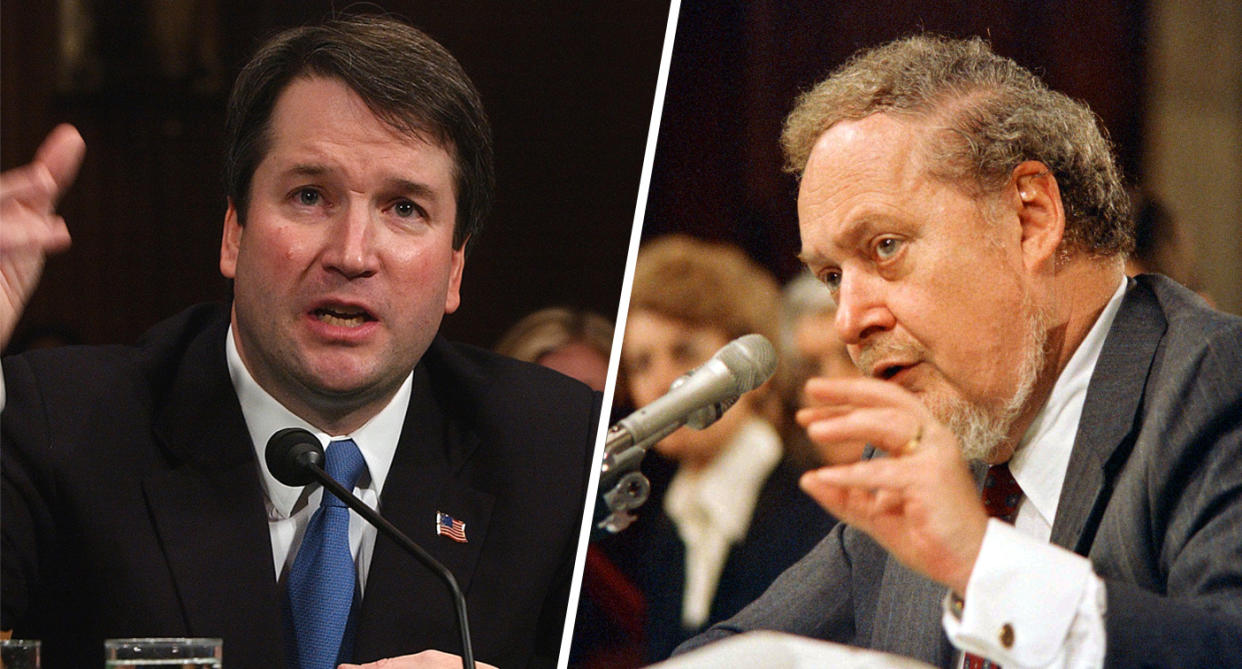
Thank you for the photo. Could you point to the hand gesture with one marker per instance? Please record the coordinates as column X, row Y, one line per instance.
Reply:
column 919, row 503
column 30, row 229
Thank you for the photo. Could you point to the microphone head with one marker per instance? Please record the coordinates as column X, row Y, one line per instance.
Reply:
column 751, row 359
column 291, row 453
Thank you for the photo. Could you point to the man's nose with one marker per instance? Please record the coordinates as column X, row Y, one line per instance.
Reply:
column 351, row 246
column 862, row 309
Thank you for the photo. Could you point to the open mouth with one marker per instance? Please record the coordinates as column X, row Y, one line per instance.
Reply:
column 889, row 371
column 343, row 316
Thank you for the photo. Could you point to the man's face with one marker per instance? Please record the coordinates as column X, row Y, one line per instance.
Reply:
column 931, row 292
column 345, row 265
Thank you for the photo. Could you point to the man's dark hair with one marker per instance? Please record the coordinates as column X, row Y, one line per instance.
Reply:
column 406, row 79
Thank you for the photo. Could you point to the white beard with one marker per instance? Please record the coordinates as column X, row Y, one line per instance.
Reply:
column 982, row 428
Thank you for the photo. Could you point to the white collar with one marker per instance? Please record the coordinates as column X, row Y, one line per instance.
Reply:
column 264, row 416
column 1042, row 458
column 727, row 488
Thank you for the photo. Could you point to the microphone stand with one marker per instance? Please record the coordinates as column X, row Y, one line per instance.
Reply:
column 623, row 488
column 391, row 531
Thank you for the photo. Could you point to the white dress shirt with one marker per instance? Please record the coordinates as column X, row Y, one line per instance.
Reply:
column 1043, row 599
column 712, row 509
column 289, row 509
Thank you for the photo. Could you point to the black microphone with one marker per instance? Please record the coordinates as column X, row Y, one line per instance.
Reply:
column 295, row 457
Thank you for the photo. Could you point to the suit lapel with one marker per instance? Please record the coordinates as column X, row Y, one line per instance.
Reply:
column 429, row 475
column 1106, row 429
column 208, row 509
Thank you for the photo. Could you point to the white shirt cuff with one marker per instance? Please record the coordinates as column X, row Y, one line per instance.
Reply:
column 1029, row 604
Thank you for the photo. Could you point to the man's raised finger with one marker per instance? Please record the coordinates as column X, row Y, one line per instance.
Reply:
column 61, row 153
column 31, row 183
column 887, row 428
column 860, row 392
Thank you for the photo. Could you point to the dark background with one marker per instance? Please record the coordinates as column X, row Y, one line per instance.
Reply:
column 738, row 66
column 568, row 87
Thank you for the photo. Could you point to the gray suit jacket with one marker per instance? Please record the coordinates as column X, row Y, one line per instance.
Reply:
column 1153, row 496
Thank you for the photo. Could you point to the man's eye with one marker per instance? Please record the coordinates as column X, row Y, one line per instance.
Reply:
column 832, row 279
column 308, row 197
column 887, row 247
column 405, row 209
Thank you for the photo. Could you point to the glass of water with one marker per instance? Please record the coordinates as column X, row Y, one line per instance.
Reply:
column 180, row 653
column 19, row 654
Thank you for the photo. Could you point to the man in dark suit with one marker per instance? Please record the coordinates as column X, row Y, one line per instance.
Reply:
column 972, row 227
column 136, row 500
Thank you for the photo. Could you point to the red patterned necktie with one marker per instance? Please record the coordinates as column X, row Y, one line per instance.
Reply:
column 1001, row 495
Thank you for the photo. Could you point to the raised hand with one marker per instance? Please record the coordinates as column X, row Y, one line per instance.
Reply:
column 919, row 503
column 30, row 229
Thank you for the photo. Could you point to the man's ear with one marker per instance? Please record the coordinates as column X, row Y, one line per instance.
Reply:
column 1041, row 214
column 452, row 299
column 230, row 242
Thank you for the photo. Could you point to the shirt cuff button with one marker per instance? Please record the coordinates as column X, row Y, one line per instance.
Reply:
column 1006, row 635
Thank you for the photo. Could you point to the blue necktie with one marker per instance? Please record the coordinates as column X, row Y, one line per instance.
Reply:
column 321, row 581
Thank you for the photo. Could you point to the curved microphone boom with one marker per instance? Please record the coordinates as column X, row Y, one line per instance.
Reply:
column 295, row 457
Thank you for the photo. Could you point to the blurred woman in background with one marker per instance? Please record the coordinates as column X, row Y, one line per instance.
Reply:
column 811, row 348
column 733, row 517
column 574, row 343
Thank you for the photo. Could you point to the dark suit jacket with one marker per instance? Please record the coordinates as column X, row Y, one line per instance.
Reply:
column 786, row 523
column 1152, row 496
column 133, row 505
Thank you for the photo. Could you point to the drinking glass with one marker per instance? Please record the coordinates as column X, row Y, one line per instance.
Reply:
column 19, row 654
column 180, row 653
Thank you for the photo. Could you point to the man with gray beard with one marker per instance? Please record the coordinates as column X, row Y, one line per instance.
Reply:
column 972, row 227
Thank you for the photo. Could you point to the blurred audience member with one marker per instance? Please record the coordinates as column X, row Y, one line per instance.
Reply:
column 574, row 343
column 577, row 343
column 1162, row 245
column 733, row 516
column 811, row 348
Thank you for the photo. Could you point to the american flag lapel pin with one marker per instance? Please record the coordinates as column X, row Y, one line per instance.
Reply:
column 448, row 526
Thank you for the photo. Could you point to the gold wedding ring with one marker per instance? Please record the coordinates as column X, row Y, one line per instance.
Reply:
column 913, row 445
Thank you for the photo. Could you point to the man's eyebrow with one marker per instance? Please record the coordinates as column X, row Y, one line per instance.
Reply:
column 407, row 187
column 308, row 169
column 846, row 238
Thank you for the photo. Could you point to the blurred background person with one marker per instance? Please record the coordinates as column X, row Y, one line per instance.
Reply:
column 810, row 348
column 1162, row 245
column 578, row 343
column 573, row 342
column 732, row 516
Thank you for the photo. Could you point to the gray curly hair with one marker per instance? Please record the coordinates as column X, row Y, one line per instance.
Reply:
column 994, row 115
